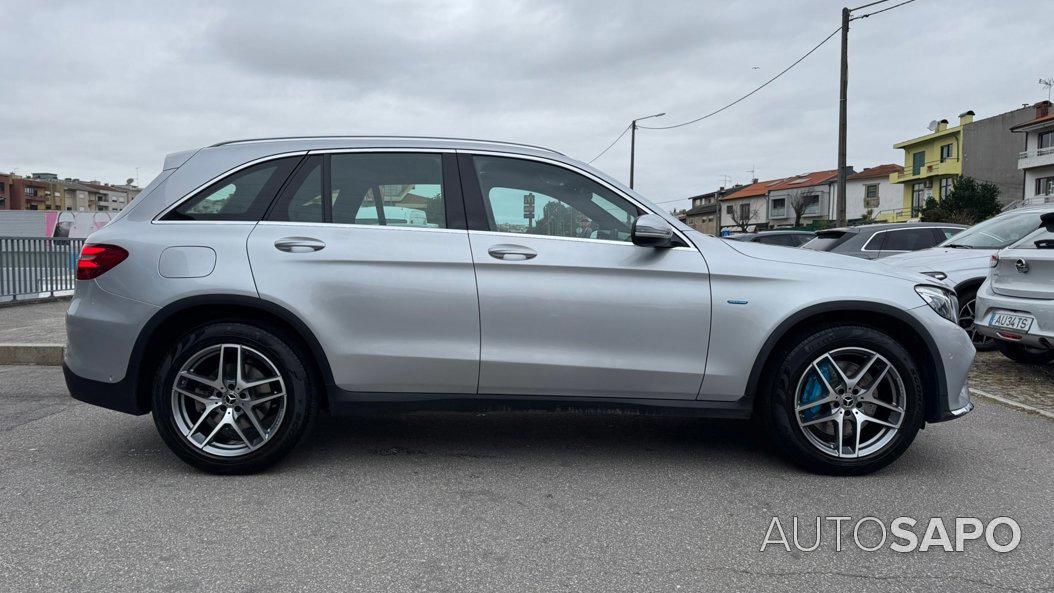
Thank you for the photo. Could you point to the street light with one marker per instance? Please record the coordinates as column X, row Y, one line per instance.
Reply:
column 633, row 142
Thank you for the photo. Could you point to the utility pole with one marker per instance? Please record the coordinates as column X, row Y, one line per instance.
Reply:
column 842, row 104
column 633, row 143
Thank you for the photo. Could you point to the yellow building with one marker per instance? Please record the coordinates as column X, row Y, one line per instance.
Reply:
column 932, row 163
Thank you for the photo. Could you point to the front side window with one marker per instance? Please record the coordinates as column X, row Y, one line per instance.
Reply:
column 244, row 195
column 533, row 198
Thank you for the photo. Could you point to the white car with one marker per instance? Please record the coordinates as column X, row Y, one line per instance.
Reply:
column 1016, row 304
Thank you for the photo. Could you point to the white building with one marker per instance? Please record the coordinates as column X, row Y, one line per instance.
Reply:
column 1037, row 160
column 871, row 191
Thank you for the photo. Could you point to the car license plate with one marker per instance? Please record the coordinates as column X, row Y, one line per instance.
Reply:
column 1021, row 323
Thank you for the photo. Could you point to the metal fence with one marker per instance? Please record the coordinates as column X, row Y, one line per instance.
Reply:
column 37, row 267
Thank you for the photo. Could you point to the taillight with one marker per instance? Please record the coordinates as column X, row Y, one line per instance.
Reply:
column 96, row 260
column 994, row 261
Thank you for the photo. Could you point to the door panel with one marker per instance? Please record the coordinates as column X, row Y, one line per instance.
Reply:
column 591, row 318
column 394, row 309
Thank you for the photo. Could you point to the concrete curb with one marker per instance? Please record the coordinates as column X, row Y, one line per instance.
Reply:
column 42, row 354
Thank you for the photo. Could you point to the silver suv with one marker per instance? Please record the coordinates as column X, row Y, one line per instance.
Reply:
column 255, row 282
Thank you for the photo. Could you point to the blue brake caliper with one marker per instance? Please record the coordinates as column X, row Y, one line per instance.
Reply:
column 814, row 390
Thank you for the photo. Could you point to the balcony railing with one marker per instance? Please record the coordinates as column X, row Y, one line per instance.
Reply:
column 1035, row 152
column 939, row 167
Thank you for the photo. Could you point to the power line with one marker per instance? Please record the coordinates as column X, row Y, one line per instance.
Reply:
column 864, row 16
column 613, row 142
column 763, row 85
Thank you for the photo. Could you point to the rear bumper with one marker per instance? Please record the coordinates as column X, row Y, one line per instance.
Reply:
column 119, row 396
column 1041, row 334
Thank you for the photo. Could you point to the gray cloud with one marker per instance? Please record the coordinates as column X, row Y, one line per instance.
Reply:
column 96, row 89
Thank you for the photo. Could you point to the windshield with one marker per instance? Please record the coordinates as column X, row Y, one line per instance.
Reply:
column 995, row 233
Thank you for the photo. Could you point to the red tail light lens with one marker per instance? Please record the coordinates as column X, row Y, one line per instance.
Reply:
column 96, row 260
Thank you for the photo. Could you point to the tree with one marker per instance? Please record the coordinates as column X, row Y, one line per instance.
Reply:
column 969, row 202
column 799, row 201
column 742, row 221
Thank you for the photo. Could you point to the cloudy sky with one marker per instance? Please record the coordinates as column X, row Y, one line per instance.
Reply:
column 96, row 90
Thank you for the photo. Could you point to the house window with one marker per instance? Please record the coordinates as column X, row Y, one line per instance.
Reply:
column 812, row 205
column 946, row 152
column 1046, row 139
column 917, row 161
column 729, row 209
column 918, row 191
column 871, row 195
column 744, row 212
column 946, row 187
column 31, row 192
column 1045, row 186
column 779, row 207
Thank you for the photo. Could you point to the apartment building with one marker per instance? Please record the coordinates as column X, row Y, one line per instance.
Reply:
column 1036, row 161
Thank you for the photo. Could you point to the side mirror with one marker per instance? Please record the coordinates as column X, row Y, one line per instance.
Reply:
column 650, row 230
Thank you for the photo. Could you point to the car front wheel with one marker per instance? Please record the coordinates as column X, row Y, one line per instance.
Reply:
column 844, row 400
column 233, row 397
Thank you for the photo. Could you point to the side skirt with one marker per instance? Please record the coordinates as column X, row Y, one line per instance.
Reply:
column 341, row 400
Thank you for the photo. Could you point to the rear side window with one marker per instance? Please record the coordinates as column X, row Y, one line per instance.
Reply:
column 244, row 195
column 388, row 189
column 909, row 240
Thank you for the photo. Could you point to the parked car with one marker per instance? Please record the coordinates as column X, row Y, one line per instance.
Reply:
column 962, row 261
column 242, row 291
column 784, row 238
column 1015, row 305
column 874, row 241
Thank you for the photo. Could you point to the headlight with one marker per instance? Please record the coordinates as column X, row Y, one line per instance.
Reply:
column 937, row 275
column 942, row 301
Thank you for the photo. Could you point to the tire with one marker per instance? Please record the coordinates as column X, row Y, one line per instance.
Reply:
column 793, row 373
column 1025, row 355
column 967, row 309
column 275, row 387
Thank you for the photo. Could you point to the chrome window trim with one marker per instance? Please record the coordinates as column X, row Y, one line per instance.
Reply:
column 193, row 192
column 877, row 233
column 555, row 238
column 359, row 226
column 586, row 174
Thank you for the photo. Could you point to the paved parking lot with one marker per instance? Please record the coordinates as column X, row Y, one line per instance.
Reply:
column 92, row 500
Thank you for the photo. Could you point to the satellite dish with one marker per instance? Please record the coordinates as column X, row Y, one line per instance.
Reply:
column 933, row 126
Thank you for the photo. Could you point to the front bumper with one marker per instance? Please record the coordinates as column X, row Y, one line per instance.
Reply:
column 956, row 351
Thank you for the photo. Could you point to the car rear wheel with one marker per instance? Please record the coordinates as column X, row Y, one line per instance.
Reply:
column 1025, row 354
column 967, row 312
column 233, row 397
column 845, row 400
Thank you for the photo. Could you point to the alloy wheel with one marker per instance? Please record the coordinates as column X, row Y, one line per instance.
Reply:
column 966, row 317
column 850, row 402
column 228, row 400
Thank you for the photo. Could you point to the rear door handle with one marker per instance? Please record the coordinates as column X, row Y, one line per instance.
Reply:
column 512, row 252
column 299, row 244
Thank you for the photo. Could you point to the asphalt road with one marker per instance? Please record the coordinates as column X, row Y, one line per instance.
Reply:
column 91, row 500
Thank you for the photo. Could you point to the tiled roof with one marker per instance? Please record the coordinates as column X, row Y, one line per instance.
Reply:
column 806, row 179
column 1038, row 120
column 754, row 189
column 877, row 171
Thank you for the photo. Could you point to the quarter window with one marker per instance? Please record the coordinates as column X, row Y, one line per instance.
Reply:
column 533, row 198
column 244, row 195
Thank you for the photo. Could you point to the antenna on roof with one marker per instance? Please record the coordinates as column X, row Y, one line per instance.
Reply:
column 933, row 126
column 1048, row 83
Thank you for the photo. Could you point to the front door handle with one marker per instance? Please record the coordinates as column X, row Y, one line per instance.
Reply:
column 299, row 244
column 512, row 252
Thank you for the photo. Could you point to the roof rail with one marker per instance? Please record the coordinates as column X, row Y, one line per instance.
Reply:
column 371, row 137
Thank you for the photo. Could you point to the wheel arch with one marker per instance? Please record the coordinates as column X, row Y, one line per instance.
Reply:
column 175, row 318
column 968, row 284
column 885, row 318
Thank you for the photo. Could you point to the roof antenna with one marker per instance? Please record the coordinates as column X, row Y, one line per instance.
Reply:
column 1047, row 82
